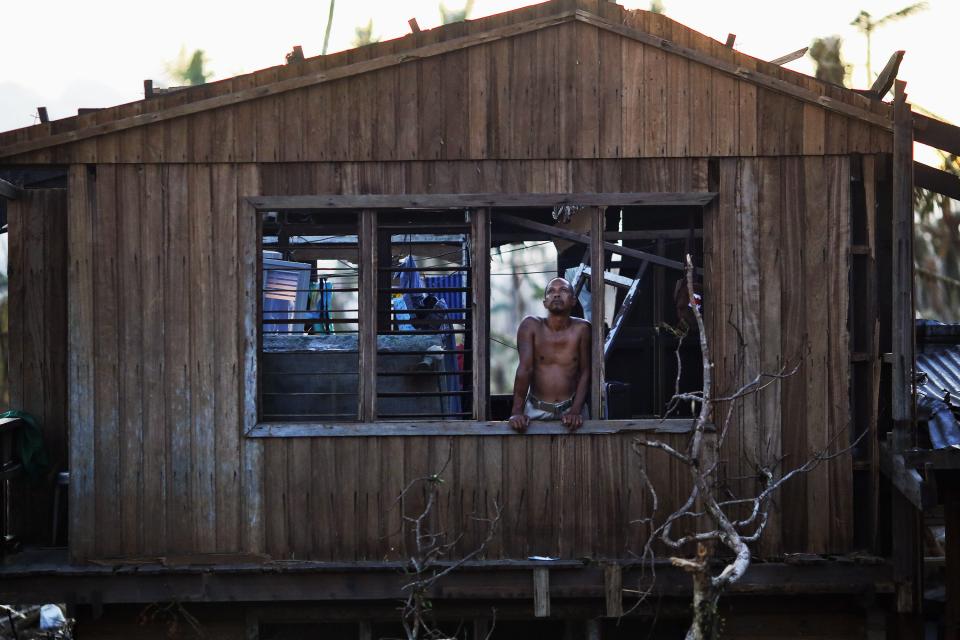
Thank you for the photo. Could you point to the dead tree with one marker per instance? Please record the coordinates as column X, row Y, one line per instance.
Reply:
column 732, row 523
column 429, row 558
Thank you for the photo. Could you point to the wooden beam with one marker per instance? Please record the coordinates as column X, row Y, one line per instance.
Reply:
column 731, row 40
column 885, row 80
column 582, row 239
column 742, row 73
column 936, row 180
column 597, row 308
column 936, row 133
column 611, row 278
column 902, row 325
column 461, row 428
column 147, row 88
column 541, row 592
column 43, row 115
column 790, row 57
column 9, row 190
column 480, row 305
column 939, row 459
column 467, row 200
column 367, row 308
column 288, row 84
column 414, row 26
column 653, row 234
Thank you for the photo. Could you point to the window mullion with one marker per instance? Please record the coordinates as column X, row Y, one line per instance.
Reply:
column 597, row 305
column 367, row 307
column 480, row 315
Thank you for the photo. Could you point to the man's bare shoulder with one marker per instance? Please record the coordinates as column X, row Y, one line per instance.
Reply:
column 580, row 324
column 530, row 323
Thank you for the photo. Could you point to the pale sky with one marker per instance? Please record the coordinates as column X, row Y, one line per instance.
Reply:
column 97, row 53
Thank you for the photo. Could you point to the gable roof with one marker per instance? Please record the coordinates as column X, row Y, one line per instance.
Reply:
column 652, row 30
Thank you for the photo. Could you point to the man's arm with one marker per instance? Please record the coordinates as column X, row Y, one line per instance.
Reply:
column 573, row 418
column 521, row 384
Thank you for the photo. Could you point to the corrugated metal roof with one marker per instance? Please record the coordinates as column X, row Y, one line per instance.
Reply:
column 942, row 366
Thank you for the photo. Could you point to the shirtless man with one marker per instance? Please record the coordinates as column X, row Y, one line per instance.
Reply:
column 553, row 376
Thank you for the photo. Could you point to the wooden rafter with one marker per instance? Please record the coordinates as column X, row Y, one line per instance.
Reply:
column 936, row 133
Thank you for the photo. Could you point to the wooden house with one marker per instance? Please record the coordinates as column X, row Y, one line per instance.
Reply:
column 141, row 337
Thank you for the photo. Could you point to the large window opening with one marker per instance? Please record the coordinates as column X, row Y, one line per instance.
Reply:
column 405, row 316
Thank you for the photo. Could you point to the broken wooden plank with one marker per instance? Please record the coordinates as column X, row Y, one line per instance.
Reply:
column 936, row 180
column 936, row 133
column 790, row 57
column 885, row 80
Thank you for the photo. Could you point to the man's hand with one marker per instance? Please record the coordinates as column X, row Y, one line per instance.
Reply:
column 519, row 422
column 572, row 420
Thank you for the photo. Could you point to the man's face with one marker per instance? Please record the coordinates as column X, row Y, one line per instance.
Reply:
column 558, row 297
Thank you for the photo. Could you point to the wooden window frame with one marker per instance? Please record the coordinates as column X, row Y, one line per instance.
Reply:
column 480, row 206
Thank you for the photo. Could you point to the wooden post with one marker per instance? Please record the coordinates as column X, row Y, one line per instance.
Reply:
column 364, row 630
column 367, row 309
column 597, row 288
column 592, row 630
column 541, row 592
column 613, row 590
column 480, row 310
column 902, row 293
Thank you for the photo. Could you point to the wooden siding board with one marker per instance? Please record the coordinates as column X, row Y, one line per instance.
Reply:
column 55, row 257
column 726, row 102
column 153, row 394
column 252, row 530
column 770, row 210
column 491, row 483
column 226, row 417
column 771, row 113
column 246, row 123
column 478, row 101
column 80, row 375
column 588, row 90
column 610, row 74
column 839, row 470
column 130, row 303
column 632, row 97
column 180, row 532
column 203, row 398
column 655, row 114
column 567, row 109
column 816, row 270
column 814, row 129
column 793, row 347
column 749, row 301
column 524, row 98
column 106, row 355
column 678, row 96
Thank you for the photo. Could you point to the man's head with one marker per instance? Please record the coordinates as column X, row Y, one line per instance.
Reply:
column 558, row 297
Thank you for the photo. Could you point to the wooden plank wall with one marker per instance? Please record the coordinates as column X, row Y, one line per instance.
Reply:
column 778, row 256
column 154, row 373
column 567, row 91
column 155, row 378
column 37, row 307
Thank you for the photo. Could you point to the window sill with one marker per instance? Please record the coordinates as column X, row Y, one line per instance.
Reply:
column 463, row 428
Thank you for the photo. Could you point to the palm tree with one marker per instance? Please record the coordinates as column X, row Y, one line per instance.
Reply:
column 656, row 6
column 866, row 24
column 326, row 32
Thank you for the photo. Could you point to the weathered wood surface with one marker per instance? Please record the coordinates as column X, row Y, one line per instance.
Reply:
column 37, row 339
column 478, row 91
column 334, row 498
